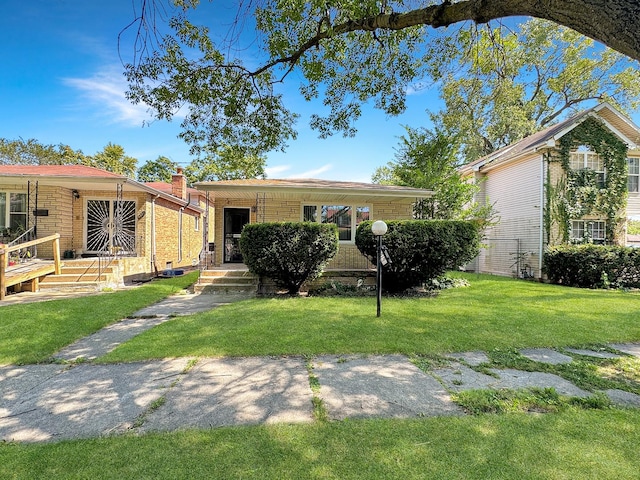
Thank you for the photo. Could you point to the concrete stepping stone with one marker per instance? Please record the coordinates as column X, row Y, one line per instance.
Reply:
column 546, row 355
column 458, row 377
column 515, row 379
column 628, row 348
column 381, row 386
column 470, row 358
column 592, row 353
column 621, row 398
column 82, row 401
column 236, row 391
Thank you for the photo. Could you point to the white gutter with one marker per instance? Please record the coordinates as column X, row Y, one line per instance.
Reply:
column 310, row 189
column 180, row 235
column 153, row 234
column 542, row 209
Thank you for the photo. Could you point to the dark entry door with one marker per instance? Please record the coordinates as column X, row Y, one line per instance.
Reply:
column 234, row 220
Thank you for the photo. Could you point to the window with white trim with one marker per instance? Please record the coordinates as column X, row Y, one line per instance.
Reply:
column 584, row 159
column 13, row 211
column 633, row 180
column 341, row 215
column 588, row 229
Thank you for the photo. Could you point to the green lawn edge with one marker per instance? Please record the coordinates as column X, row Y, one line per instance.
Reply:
column 492, row 313
column 32, row 332
column 572, row 444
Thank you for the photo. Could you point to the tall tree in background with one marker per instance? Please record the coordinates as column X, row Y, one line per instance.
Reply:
column 347, row 53
column 429, row 159
column 32, row 152
column 500, row 85
column 158, row 170
column 226, row 163
column 113, row 159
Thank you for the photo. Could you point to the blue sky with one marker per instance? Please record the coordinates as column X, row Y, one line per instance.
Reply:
column 61, row 82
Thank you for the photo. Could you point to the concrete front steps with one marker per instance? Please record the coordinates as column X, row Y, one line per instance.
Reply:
column 84, row 275
column 227, row 282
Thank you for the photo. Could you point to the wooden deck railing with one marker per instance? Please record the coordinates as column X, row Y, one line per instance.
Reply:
column 5, row 252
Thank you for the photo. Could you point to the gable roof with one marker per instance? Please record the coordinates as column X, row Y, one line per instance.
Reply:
column 620, row 125
column 79, row 177
column 311, row 189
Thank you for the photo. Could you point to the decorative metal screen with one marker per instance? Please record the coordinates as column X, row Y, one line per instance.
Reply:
column 111, row 226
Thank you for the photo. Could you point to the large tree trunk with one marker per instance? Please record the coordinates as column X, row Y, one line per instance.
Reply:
column 616, row 23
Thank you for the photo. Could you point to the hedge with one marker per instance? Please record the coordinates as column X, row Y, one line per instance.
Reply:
column 420, row 250
column 289, row 253
column 593, row 266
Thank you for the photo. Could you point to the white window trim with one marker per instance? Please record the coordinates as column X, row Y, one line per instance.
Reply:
column 585, row 163
column 8, row 211
column 637, row 175
column 353, row 207
column 585, row 222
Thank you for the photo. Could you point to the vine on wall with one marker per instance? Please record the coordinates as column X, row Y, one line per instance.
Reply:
column 578, row 193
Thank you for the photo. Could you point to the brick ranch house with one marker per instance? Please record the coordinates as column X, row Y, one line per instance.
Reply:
column 527, row 181
column 147, row 227
column 238, row 202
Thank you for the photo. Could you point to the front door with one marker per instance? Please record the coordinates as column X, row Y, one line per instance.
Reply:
column 111, row 227
column 234, row 220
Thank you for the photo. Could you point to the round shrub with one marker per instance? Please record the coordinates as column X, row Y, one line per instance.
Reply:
column 289, row 253
column 420, row 250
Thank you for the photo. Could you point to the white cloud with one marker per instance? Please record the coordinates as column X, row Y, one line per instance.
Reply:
column 273, row 172
column 106, row 91
column 312, row 173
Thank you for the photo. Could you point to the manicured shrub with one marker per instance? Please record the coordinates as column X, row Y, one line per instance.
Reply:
column 593, row 266
column 420, row 250
column 289, row 253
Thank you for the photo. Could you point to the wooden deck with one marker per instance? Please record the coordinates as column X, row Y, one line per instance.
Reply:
column 28, row 272
column 25, row 272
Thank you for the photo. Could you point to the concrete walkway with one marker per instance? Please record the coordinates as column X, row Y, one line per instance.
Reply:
column 83, row 400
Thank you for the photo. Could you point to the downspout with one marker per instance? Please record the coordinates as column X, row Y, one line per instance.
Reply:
column 542, row 210
column 180, row 235
column 153, row 235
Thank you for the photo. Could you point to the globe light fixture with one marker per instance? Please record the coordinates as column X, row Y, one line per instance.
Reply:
column 379, row 228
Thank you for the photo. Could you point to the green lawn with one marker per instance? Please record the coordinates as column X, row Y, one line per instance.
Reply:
column 31, row 333
column 492, row 313
column 574, row 444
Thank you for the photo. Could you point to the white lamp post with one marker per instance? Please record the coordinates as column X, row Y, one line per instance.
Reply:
column 379, row 228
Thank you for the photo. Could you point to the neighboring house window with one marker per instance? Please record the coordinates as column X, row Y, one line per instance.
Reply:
column 633, row 181
column 584, row 159
column 197, row 223
column 588, row 229
column 13, row 211
column 341, row 215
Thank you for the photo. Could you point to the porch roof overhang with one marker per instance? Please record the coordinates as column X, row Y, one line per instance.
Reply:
column 85, row 178
column 312, row 190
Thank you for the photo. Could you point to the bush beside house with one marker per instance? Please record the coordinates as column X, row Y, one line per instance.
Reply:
column 420, row 250
column 593, row 266
column 289, row 253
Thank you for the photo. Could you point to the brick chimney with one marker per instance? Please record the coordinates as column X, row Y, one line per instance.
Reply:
column 179, row 185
